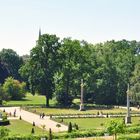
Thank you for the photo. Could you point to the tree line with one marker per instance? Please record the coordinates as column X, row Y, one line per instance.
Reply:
column 55, row 68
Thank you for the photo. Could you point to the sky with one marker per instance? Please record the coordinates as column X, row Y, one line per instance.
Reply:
column 91, row 20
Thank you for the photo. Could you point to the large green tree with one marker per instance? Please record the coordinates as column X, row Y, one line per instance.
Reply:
column 43, row 65
column 114, row 64
column 135, row 85
column 71, row 70
column 114, row 127
column 3, row 73
column 58, row 67
column 12, row 61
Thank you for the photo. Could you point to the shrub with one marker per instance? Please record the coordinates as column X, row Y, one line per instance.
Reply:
column 76, row 134
column 33, row 131
column 3, row 95
column 58, row 125
column 107, row 115
column 14, row 88
column 50, row 134
column 133, row 129
column 76, row 126
column 64, row 99
column 33, row 123
column 4, row 132
column 70, row 127
column 4, row 122
column 20, row 118
column 115, row 127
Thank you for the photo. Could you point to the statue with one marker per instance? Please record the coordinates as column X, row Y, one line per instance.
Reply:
column 82, row 98
column 128, row 116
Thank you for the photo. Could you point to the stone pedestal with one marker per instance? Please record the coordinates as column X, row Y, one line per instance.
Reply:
column 128, row 116
column 82, row 107
column 127, row 120
column 82, row 97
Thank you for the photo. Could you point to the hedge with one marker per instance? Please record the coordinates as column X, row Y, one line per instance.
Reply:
column 4, row 122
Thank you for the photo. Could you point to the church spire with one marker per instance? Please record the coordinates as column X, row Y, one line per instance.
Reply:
column 39, row 33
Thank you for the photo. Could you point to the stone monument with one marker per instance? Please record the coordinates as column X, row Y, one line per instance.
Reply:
column 82, row 96
column 128, row 116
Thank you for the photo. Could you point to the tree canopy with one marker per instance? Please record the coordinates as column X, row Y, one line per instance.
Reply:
column 12, row 61
column 55, row 68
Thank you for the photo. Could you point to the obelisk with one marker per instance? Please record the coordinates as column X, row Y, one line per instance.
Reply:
column 82, row 96
column 128, row 116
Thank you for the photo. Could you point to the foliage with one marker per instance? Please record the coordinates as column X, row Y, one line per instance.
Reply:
column 4, row 132
column 115, row 127
column 20, row 118
column 113, row 70
column 42, row 65
column 70, row 127
column 14, row 88
column 4, row 122
column 3, row 95
column 58, row 125
column 32, row 131
column 50, row 134
column 80, row 134
column 61, row 99
column 76, row 126
column 12, row 62
column 68, row 76
column 133, row 129
column 55, row 68
column 3, row 72
column 135, row 84
column 33, row 123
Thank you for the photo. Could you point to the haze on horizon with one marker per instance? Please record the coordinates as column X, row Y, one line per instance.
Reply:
column 90, row 20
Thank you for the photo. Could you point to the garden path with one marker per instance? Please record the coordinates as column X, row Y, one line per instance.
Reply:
column 132, row 108
column 31, row 117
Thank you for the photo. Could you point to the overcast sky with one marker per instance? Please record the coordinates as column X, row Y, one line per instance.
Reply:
column 91, row 20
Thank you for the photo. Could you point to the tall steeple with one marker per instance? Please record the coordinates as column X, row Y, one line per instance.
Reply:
column 39, row 33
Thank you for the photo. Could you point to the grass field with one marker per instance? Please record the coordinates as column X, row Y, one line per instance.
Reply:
column 62, row 111
column 95, row 123
column 20, row 127
column 30, row 100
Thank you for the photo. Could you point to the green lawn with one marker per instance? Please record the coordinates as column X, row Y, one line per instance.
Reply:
column 20, row 127
column 54, row 111
column 89, row 123
column 95, row 123
column 30, row 100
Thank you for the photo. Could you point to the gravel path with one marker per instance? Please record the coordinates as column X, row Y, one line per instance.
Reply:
column 132, row 108
column 31, row 117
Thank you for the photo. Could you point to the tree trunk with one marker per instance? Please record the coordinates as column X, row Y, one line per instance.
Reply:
column 67, row 89
column 67, row 85
column 115, row 136
column 47, row 102
column 0, row 101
